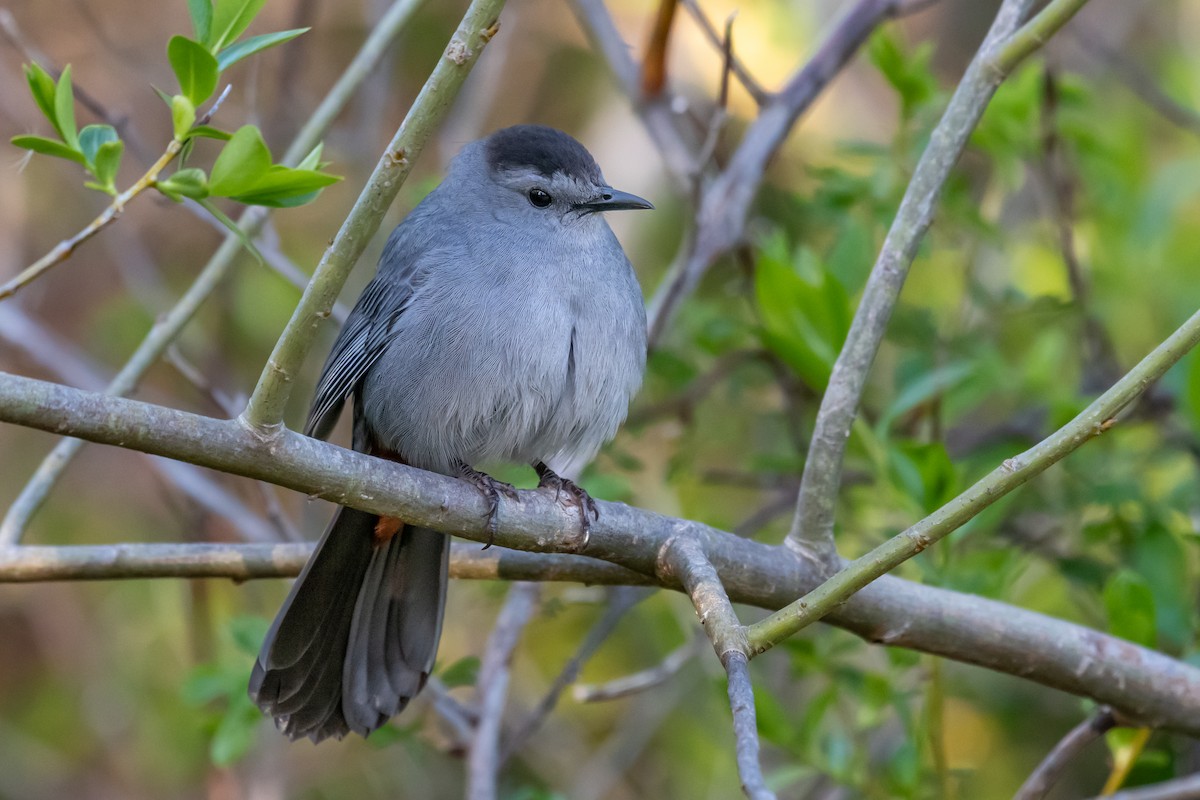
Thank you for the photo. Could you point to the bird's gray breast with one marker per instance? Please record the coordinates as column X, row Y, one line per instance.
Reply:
column 527, row 354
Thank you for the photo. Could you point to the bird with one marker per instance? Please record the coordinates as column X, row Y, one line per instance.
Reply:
column 504, row 323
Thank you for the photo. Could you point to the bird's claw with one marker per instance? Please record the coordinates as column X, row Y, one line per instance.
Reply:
column 491, row 490
column 588, row 510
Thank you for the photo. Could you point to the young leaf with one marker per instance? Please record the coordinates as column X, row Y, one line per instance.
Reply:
column 201, row 13
column 229, row 20
column 41, row 86
column 236, row 52
column 189, row 182
column 313, row 159
column 106, row 163
column 64, row 110
column 209, row 132
column 49, row 147
column 194, row 67
column 183, row 116
column 243, row 162
column 282, row 187
column 92, row 137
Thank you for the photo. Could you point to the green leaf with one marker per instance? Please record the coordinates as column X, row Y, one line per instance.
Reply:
column 926, row 387
column 183, row 116
column 92, row 137
column 41, row 86
column 463, row 672
column 209, row 132
column 1160, row 558
column 229, row 20
column 106, row 163
column 236, row 52
column 313, row 159
column 201, row 12
column 282, row 187
column 233, row 228
column 243, row 162
column 235, row 733
column 190, row 182
column 49, row 147
column 1130, row 606
column 195, row 68
column 64, row 109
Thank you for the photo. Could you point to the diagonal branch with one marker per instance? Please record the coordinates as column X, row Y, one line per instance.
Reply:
column 1145, row 685
column 684, row 560
column 1006, row 43
column 265, row 410
column 1042, row 779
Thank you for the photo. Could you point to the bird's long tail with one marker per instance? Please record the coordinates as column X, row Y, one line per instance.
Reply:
column 357, row 636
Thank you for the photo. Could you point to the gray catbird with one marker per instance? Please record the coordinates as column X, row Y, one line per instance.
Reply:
column 504, row 323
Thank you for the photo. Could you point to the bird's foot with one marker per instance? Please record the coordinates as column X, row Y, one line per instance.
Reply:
column 491, row 490
column 588, row 510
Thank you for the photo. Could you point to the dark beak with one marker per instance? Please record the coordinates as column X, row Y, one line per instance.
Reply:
column 611, row 199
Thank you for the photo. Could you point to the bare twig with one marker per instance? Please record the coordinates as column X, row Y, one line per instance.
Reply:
column 654, row 67
column 725, row 204
column 643, row 680
column 459, row 717
column 620, row 600
column 483, row 762
column 752, row 86
column 1145, row 685
column 1046, row 774
column 684, row 560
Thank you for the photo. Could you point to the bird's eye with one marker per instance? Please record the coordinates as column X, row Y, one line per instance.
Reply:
column 540, row 198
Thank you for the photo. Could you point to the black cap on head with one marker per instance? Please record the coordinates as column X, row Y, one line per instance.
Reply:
column 543, row 149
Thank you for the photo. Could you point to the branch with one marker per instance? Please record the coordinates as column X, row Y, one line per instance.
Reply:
column 812, row 526
column 242, row 562
column 752, row 87
column 1186, row 788
column 483, row 762
column 725, row 204
column 265, row 410
column 168, row 327
column 1047, row 773
column 639, row 681
column 1094, row 420
column 685, row 560
column 1145, row 685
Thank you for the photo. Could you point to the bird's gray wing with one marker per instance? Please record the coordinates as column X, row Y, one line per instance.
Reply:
column 368, row 330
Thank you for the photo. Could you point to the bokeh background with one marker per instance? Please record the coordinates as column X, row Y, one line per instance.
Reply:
column 135, row 689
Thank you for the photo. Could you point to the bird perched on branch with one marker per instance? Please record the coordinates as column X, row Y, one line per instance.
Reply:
column 504, row 323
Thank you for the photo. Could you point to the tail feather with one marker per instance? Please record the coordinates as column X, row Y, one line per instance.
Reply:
column 357, row 636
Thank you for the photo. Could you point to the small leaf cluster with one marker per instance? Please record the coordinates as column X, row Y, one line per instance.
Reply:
column 97, row 148
column 244, row 170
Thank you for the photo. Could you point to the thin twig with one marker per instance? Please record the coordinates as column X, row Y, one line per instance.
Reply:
column 168, row 327
column 684, row 560
column 1151, row 687
column 483, row 762
column 265, row 410
column 1046, row 774
column 752, row 86
column 654, row 66
column 725, row 205
column 620, row 600
column 642, row 680
column 461, row 719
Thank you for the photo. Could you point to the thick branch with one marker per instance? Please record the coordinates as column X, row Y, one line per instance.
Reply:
column 1186, row 788
column 266, row 406
column 1143, row 684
